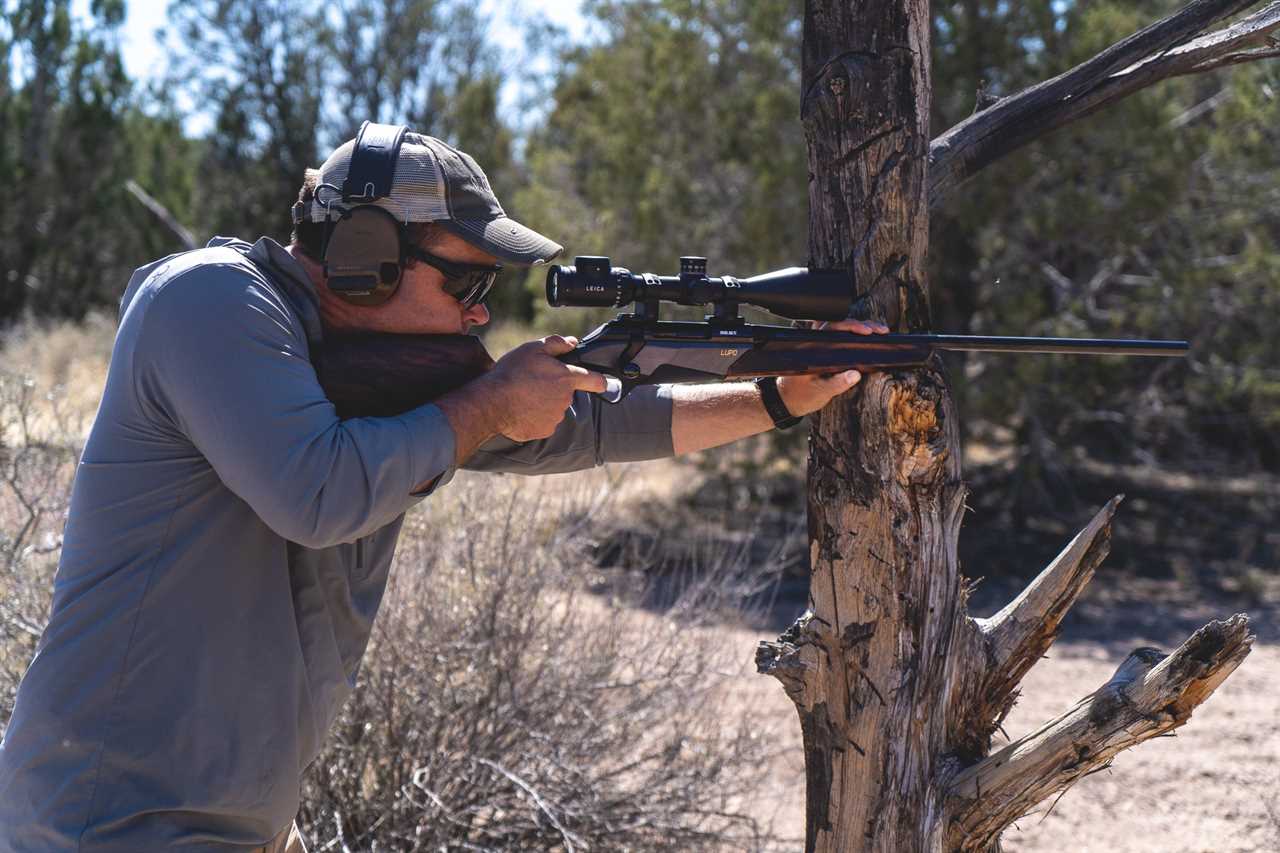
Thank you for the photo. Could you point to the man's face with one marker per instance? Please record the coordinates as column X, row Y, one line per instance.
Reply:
column 420, row 305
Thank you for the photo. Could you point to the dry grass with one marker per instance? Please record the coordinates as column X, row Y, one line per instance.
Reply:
column 49, row 389
column 507, row 706
column 39, row 448
column 66, row 360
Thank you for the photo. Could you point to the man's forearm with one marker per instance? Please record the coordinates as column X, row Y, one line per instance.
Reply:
column 705, row 416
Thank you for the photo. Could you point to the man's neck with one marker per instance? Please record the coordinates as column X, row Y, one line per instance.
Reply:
column 336, row 316
column 314, row 271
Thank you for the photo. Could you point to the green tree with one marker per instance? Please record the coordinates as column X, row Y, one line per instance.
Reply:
column 259, row 69
column 286, row 82
column 63, row 151
column 1138, row 222
column 675, row 133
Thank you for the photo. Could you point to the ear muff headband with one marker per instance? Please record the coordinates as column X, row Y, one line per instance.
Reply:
column 373, row 162
column 364, row 247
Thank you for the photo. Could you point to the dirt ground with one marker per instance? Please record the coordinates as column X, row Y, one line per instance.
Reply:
column 1215, row 788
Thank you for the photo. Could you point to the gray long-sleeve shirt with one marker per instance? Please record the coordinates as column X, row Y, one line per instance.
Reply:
column 225, row 555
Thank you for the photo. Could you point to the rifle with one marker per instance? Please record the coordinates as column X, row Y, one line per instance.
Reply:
column 639, row 348
column 381, row 375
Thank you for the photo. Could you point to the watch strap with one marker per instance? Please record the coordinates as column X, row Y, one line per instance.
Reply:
column 782, row 417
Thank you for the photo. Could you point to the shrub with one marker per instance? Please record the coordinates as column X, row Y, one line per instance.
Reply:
column 39, row 447
column 503, row 708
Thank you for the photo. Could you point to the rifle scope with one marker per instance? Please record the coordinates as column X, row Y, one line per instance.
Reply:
column 796, row 292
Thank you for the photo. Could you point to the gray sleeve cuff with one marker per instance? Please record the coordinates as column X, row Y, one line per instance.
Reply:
column 636, row 429
column 432, row 446
column 592, row 433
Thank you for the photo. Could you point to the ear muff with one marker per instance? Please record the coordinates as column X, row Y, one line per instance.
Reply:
column 363, row 248
column 363, row 256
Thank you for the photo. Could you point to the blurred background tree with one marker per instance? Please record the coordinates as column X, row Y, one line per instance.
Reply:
column 1134, row 222
column 677, row 128
column 64, row 101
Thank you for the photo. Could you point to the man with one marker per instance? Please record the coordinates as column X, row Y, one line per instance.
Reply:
column 229, row 537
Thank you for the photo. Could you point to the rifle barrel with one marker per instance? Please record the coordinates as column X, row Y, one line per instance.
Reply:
column 1076, row 346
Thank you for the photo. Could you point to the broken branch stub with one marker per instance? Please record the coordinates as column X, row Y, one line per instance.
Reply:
column 1019, row 635
column 1149, row 695
column 1001, row 650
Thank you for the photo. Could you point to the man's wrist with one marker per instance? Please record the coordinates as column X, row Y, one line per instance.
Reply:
column 474, row 411
column 777, row 408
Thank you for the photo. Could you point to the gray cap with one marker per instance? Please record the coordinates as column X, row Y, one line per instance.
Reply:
column 435, row 182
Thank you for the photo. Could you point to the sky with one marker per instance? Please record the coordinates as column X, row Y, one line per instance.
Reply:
column 143, row 58
column 144, row 16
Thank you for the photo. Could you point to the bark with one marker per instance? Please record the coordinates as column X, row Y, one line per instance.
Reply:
column 898, row 690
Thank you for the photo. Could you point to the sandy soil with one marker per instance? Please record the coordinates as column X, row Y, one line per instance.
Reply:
column 1215, row 788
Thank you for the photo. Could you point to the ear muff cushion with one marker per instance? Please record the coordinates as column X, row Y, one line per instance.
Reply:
column 363, row 255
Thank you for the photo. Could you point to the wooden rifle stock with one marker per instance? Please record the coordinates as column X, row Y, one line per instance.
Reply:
column 382, row 375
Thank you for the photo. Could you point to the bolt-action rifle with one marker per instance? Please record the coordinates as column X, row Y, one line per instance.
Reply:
column 380, row 375
column 638, row 348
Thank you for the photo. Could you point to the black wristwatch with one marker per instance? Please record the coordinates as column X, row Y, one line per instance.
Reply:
column 782, row 418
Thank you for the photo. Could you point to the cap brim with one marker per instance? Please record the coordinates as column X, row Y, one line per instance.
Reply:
column 505, row 239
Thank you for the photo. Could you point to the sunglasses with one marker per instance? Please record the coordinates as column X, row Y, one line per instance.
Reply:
column 468, row 283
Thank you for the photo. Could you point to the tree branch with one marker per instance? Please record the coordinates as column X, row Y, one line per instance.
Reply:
column 1148, row 696
column 1002, row 649
column 162, row 213
column 1228, row 46
column 1168, row 48
column 1019, row 635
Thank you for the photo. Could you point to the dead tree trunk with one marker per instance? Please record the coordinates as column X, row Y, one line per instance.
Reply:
column 898, row 690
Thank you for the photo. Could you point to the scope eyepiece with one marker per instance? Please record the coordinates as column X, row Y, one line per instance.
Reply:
column 590, row 283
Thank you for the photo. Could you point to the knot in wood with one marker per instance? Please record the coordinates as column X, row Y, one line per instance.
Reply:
column 915, row 426
column 827, row 92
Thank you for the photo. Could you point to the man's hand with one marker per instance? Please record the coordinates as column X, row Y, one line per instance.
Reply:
column 536, row 388
column 524, row 397
column 806, row 394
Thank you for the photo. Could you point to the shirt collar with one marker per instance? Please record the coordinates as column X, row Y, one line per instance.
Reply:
column 289, row 276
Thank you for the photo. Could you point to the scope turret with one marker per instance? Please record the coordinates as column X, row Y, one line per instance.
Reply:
column 796, row 292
